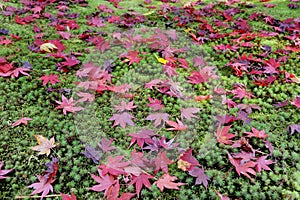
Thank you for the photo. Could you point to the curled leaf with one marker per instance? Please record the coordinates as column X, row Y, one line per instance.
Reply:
column 48, row 47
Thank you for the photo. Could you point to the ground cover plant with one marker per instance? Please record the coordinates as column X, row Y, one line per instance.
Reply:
column 149, row 99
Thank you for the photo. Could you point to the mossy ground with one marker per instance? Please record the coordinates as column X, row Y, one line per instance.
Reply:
column 25, row 96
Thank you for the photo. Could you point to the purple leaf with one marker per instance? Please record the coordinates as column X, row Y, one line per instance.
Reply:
column 104, row 145
column 293, row 128
column 91, row 152
column 202, row 178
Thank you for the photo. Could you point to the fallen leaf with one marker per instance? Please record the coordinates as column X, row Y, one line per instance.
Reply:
column 262, row 163
column 293, row 128
column 202, row 178
column 52, row 78
column 296, row 102
column 3, row 172
column 256, row 133
column 105, row 182
column 188, row 113
column 23, row 120
column 140, row 181
column 44, row 145
column 68, row 197
column 122, row 119
column 167, row 181
column 48, row 47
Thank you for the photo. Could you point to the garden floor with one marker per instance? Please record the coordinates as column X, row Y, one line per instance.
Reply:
column 149, row 99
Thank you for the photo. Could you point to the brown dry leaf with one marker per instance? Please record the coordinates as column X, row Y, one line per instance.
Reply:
column 48, row 47
column 44, row 145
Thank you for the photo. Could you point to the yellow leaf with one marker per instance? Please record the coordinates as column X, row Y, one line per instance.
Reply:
column 48, row 47
column 188, row 30
column 149, row 13
column 183, row 165
column 161, row 60
column 44, row 145
column 188, row 4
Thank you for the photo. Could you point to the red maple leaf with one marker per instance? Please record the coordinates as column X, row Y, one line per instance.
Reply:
column 244, row 156
column 97, row 22
column 88, row 85
column 3, row 172
column 114, row 166
column 115, row 3
column 183, row 63
column 244, row 168
column 169, row 69
column 138, row 159
column 68, row 197
column 199, row 61
column 223, row 136
column 5, row 67
column 132, row 57
column 27, row 19
column 222, row 196
column 141, row 137
column 70, row 62
column 105, row 8
column 140, row 181
column 101, row 44
column 240, row 92
column 52, row 78
column 188, row 113
column 21, row 70
column 256, row 133
column 105, row 182
column 203, row 75
column 243, row 143
column 85, row 97
column 122, row 119
column 37, row 9
column 124, row 106
column 271, row 66
column 153, row 83
column 162, row 162
column 45, row 181
column 65, row 35
column 225, row 119
column 190, row 160
column 120, row 88
column 113, row 193
column 179, row 126
column 155, row 104
column 202, row 178
column 160, row 118
column 296, row 102
column 167, row 181
column 225, row 47
column 44, row 185
column 23, row 120
column 104, row 145
column 5, row 41
column 67, row 105
column 262, row 163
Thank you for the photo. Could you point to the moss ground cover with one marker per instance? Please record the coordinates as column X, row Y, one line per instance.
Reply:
column 199, row 98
